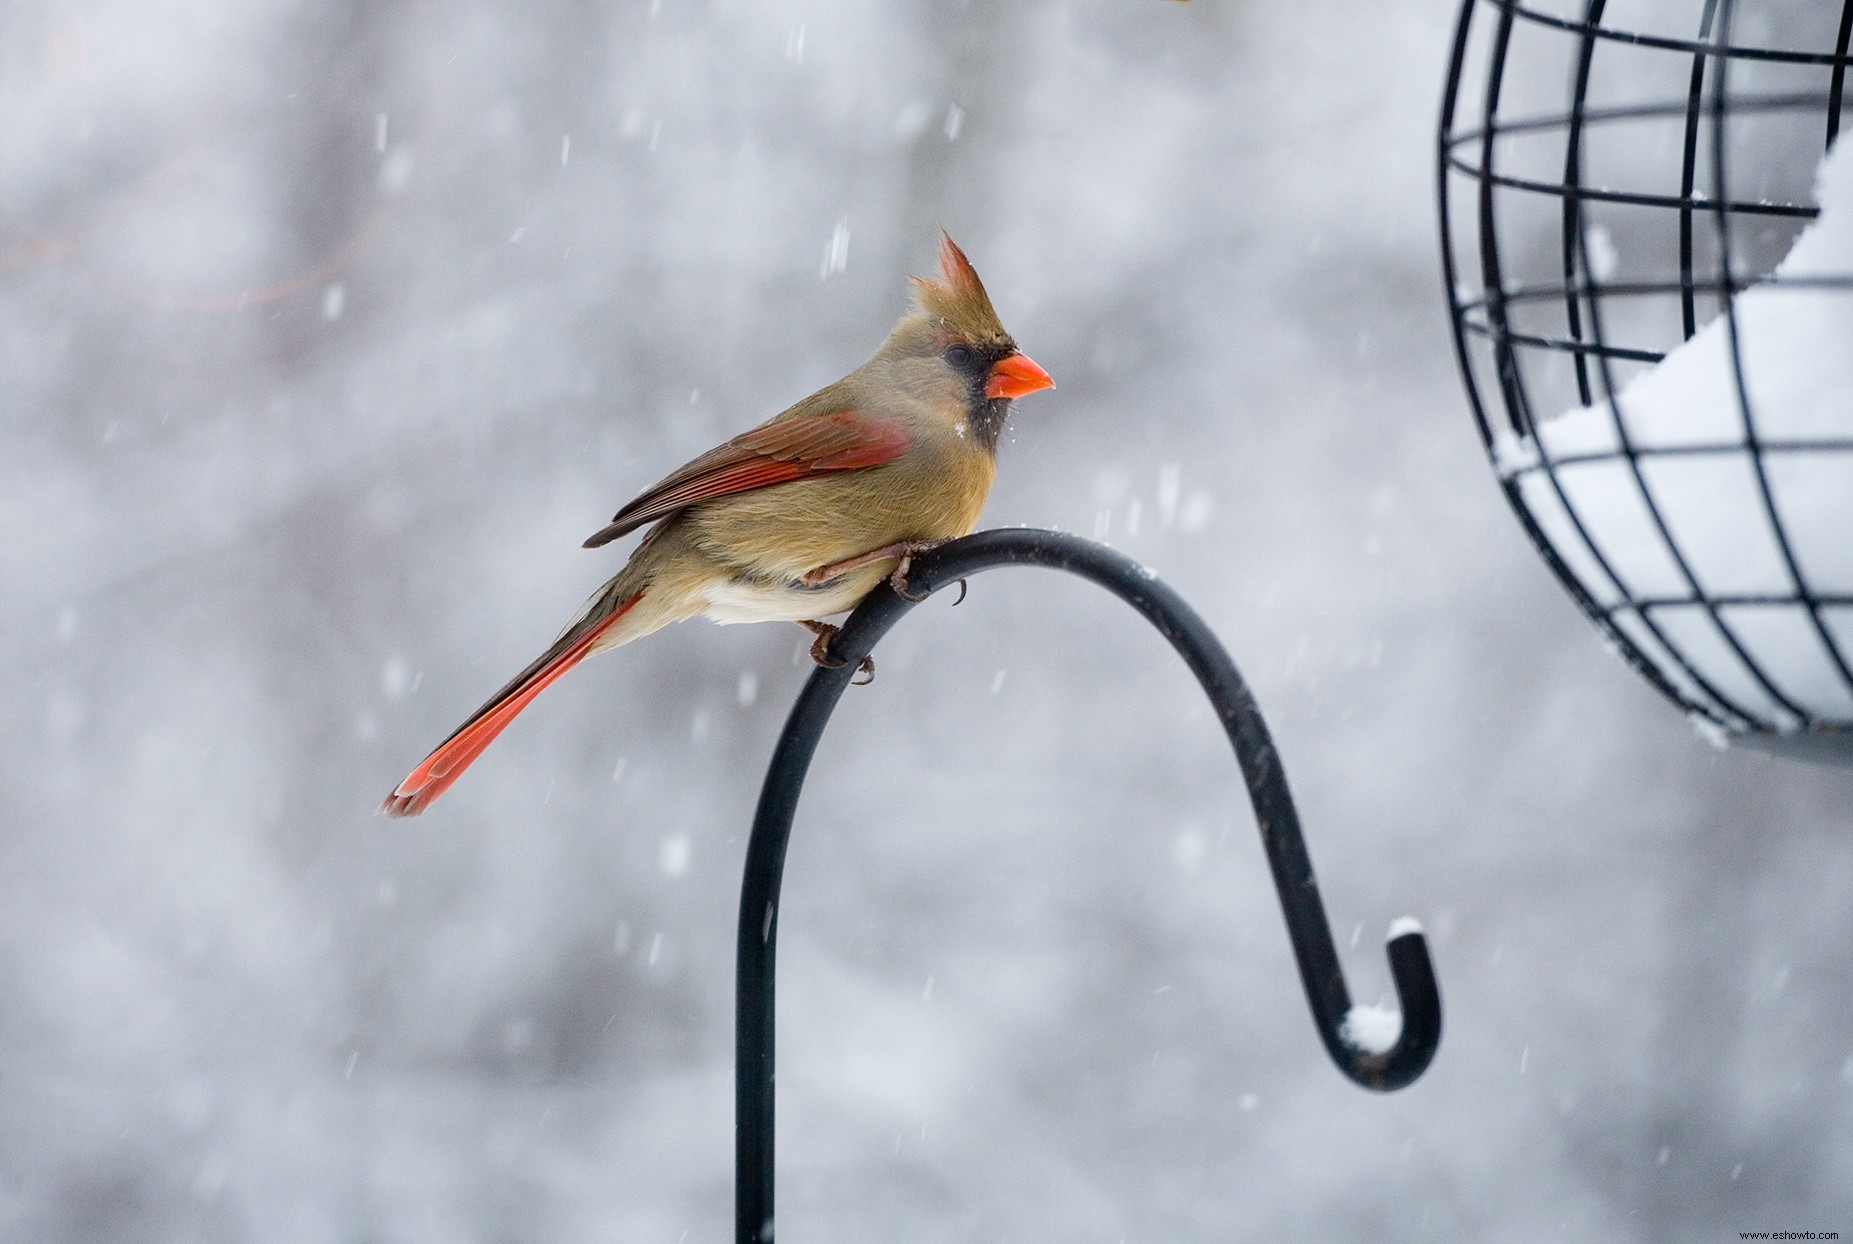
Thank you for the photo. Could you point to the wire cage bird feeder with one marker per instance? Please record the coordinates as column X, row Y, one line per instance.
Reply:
column 1647, row 239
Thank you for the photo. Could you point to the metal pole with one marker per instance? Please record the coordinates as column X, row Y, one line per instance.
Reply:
column 1311, row 937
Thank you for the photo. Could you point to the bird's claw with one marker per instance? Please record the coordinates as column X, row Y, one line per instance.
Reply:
column 898, row 580
column 820, row 647
column 826, row 633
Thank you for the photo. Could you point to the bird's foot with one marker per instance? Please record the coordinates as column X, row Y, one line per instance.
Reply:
column 820, row 653
column 903, row 549
column 898, row 580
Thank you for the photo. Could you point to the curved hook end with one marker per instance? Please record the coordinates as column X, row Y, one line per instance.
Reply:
column 1384, row 1051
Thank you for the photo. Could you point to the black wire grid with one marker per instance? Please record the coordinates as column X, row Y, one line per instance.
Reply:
column 1611, row 177
column 1307, row 930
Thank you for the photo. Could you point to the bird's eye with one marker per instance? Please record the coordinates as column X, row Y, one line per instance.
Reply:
column 960, row 356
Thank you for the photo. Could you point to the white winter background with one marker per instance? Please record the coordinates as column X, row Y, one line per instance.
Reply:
column 327, row 332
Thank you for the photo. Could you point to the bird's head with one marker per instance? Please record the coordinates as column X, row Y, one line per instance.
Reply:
column 953, row 351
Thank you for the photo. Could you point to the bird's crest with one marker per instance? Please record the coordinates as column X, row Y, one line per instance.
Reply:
column 958, row 297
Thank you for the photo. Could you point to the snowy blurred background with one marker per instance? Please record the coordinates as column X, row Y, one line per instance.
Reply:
column 328, row 331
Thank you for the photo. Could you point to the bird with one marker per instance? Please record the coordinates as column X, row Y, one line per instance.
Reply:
column 802, row 516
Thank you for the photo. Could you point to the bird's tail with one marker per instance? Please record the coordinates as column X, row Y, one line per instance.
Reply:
column 455, row 754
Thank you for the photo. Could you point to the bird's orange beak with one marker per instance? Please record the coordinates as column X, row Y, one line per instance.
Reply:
column 1016, row 375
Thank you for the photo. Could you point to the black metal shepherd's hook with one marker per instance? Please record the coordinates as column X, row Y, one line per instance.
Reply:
column 1410, row 968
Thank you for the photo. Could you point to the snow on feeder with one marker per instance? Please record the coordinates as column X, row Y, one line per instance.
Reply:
column 1647, row 239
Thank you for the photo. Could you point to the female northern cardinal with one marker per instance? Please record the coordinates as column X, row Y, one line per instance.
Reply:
column 804, row 515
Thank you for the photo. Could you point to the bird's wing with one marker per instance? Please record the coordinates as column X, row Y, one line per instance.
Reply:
column 795, row 447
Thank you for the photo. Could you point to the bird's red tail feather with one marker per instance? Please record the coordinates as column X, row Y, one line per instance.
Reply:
column 455, row 754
